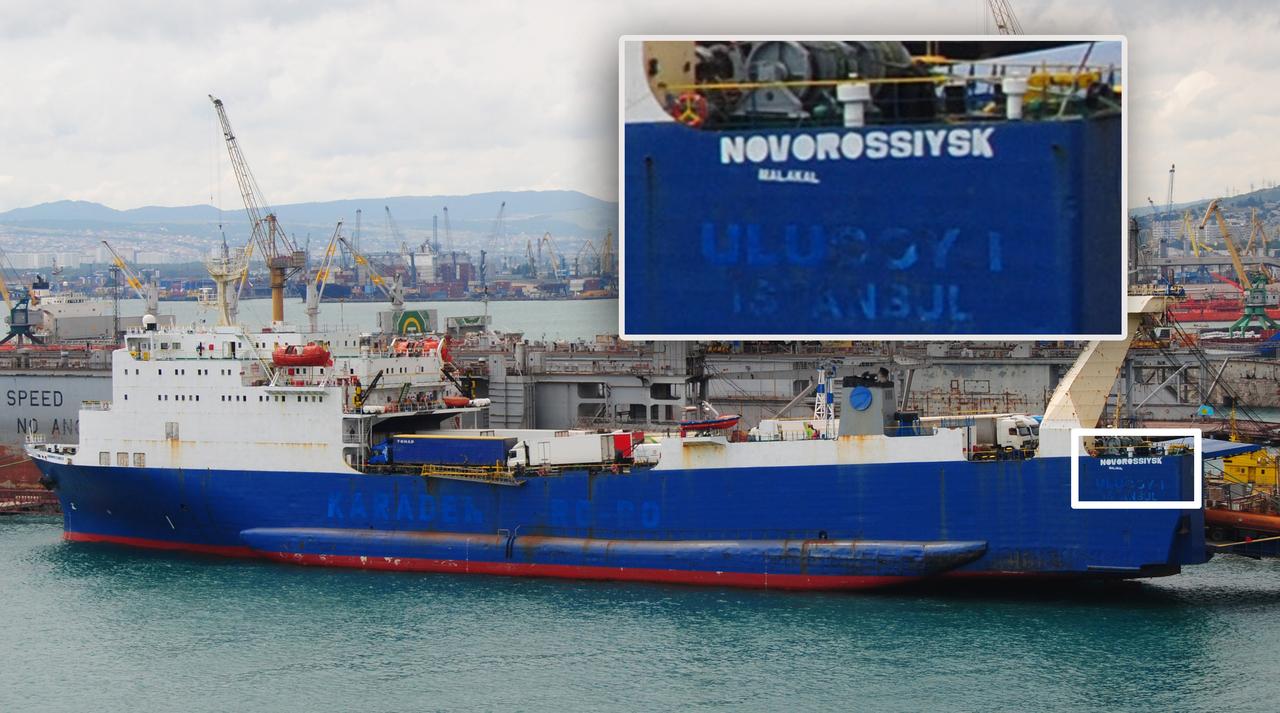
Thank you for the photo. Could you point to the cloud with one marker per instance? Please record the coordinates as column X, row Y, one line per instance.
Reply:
column 346, row 99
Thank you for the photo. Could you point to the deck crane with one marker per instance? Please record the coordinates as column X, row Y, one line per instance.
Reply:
column 148, row 291
column 1254, row 285
column 283, row 258
column 394, row 291
column 316, row 285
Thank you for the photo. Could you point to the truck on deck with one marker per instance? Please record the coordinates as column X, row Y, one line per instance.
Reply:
column 993, row 435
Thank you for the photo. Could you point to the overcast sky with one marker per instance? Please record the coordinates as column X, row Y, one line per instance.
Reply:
column 106, row 101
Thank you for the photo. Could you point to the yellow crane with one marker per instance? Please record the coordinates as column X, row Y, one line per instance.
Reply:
column 283, row 258
column 607, row 258
column 1258, row 235
column 392, row 287
column 1253, row 285
column 148, row 292
column 315, row 286
column 553, row 257
column 1189, row 234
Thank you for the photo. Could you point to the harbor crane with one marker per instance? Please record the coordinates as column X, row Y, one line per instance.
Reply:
column 1006, row 22
column 588, row 259
column 1258, row 236
column 607, row 256
column 1253, row 284
column 20, row 326
column 393, row 229
column 282, row 257
column 393, row 288
column 552, row 256
column 148, row 291
column 316, row 285
column 448, row 240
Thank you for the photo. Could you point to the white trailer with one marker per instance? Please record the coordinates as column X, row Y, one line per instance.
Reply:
column 578, row 449
column 993, row 432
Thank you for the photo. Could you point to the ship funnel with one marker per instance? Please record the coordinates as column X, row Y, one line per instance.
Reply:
column 867, row 404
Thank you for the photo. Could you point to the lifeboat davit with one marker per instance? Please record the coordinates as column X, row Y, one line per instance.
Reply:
column 456, row 401
column 293, row 355
column 719, row 423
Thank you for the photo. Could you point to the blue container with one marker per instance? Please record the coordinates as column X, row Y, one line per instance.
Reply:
column 1000, row 228
column 412, row 449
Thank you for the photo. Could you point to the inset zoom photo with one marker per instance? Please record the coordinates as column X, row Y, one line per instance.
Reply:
column 872, row 188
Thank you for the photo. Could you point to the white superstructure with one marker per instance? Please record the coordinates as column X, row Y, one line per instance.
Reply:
column 213, row 399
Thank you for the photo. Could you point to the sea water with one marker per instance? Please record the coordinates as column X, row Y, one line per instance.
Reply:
column 90, row 627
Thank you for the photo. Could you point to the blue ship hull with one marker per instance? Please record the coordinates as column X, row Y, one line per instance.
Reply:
column 903, row 230
column 830, row 527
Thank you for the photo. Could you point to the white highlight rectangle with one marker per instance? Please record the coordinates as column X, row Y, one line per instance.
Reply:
column 1195, row 503
column 649, row 113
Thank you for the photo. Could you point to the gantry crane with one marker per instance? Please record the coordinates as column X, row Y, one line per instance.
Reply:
column 148, row 291
column 316, row 285
column 283, row 258
column 392, row 288
column 1253, row 284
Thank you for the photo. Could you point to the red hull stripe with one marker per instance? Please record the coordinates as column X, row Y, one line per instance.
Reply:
column 564, row 571
column 515, row 569
column 222, row 550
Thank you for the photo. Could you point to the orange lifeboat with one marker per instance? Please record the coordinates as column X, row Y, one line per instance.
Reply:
column 311, row 355
column 430, row 344
column 456, row 401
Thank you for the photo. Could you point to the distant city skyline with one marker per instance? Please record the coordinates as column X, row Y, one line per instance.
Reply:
column 352, row 99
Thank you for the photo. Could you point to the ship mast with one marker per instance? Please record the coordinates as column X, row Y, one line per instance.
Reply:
column 283, row 258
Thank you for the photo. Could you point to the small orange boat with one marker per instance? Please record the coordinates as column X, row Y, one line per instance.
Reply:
column 456, row 401
column 310, row 355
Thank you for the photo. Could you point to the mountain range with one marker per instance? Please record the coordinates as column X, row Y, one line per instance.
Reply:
column 568, row 213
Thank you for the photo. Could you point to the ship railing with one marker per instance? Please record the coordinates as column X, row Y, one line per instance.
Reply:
column 493, row 473
column 95, row 405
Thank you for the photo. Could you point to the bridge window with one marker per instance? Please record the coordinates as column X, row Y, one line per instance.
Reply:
column 139, row 460
column 122, row 459
column 663, row 391
column 104, row 457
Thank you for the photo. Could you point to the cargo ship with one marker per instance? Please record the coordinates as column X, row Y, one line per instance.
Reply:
column 209, row 446
column 810, row 189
